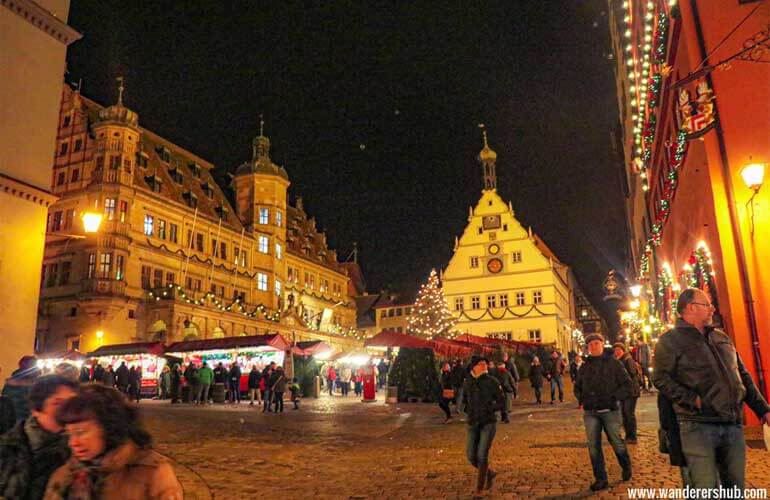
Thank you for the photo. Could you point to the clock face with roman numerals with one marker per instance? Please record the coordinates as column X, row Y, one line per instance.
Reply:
column 491, row 222
column 494, row 266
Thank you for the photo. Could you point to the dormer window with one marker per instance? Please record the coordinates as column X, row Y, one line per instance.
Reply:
column 190, row 199
column 208, row 189
column 196, row 170
column 177, row 175
column 222, row 211
column 154, row 182
column 141, row 159
column 164, row 153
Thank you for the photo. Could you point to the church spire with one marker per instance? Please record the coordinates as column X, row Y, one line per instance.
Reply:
column 487, row 158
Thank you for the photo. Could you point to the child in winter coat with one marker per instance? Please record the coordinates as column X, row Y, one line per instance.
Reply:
column 295, row 392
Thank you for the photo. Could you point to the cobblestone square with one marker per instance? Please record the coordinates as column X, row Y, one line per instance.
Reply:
column 341, row 448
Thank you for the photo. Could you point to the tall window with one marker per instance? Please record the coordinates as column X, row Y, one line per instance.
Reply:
column 264, row 243
column 61, row 177
column 214, row 247
column 278, row 218
column 109, row 208
column 119, row 267
column 278, row 251
column 63, row 148
column 520, row 300
column 474, row 262
column 516, row 256
column 56, row 221
column 105, row 265
column 278, row 288
column 69, row 215
column 53, row 270
column 459, row 304
column 262, row 282
column 91, row 265
column 170, row 278
column 157, row 278
column 222, row 250
column 64, row 275
column 264, row 216
column 123, row 210
column 148, row 222
column 491, row 301
column 537, row 297
column 199, row 241
column 173, row 229
column 161, row 229
column 75, row 175
column 146, row 277
column 504, row 300
column 475, row 302
column 114, row 162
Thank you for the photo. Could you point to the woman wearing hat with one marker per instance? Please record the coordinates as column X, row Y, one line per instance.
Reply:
column 483, row 398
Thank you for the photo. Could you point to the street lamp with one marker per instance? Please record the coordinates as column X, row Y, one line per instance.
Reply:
column 91, row 221
column 753, row 176
column 636, row 290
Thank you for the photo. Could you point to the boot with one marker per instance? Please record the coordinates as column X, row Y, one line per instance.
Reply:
column 481, row 481
column 490, row 478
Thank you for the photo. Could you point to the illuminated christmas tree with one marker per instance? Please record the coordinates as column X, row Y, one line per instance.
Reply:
column 430, row 315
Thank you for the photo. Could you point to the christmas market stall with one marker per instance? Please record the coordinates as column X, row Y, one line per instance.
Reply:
column 514, row 346
column 247, row 351
column 47, row 362
column 148, row 356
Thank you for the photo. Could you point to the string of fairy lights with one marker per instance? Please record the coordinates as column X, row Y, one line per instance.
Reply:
column 645, row 56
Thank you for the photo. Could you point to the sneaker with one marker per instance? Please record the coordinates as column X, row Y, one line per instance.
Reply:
column 626, row 474
column 491, row 475
column 599, row 484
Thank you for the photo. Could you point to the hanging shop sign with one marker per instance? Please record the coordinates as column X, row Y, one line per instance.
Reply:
column 695, row 110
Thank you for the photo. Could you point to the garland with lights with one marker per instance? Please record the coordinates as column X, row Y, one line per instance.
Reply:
column 174, row 290
column 431, row 316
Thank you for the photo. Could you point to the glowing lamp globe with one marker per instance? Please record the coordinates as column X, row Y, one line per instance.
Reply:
column 91, row 222
column 753, row 175
column 636, row 290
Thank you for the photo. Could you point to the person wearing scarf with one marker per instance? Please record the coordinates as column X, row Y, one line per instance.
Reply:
column 112, row 455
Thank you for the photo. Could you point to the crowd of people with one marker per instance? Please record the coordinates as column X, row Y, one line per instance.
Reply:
column 337, row 377
column 73, row 440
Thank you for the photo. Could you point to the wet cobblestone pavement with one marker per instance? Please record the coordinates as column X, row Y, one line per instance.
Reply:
column 341, row 448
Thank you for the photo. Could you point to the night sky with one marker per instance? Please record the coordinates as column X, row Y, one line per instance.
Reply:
column 374, row 112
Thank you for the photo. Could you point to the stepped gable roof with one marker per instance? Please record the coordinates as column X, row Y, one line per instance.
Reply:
column 305, row 241
column 182, row 162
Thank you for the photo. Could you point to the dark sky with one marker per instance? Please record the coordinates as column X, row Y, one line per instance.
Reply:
column 411, row 83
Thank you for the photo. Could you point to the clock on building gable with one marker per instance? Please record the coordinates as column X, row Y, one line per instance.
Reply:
column 493, row 249
column 491, row 222
column 495, row 265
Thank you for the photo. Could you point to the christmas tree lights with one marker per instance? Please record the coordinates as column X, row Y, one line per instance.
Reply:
column 431, row 316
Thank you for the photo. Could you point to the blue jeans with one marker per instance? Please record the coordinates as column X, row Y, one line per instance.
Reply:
column 479, row 442
column 610, row 422
column 557, row 382
column 714, row 451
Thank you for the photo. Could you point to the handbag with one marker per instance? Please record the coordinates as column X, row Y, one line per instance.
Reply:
column 448, row 393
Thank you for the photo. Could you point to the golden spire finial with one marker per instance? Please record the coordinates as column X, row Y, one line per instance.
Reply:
column 484, row 133
column 261, row 125
column 121, row 88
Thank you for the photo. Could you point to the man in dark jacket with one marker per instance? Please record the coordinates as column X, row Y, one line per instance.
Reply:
column 175, row 383
column 267, row 395
column 628, row 404
column 17, row 387
column 36, row 447
column 510, row 366
column 235, row 383
column 600, row 383
column 121, row 377
column 507, row 383
column 555, row 374
column 699, row 370
column 254, row 377
column 483, row 398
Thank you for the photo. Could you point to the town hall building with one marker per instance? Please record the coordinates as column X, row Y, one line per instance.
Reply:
column 503, row 281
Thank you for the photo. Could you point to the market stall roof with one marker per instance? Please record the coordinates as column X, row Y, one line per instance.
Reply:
column 275, row 341
column 518, row 345
column 451, row 348
column 155, row 348
column 389, row 338
column 311, row 347
column 63, row 355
